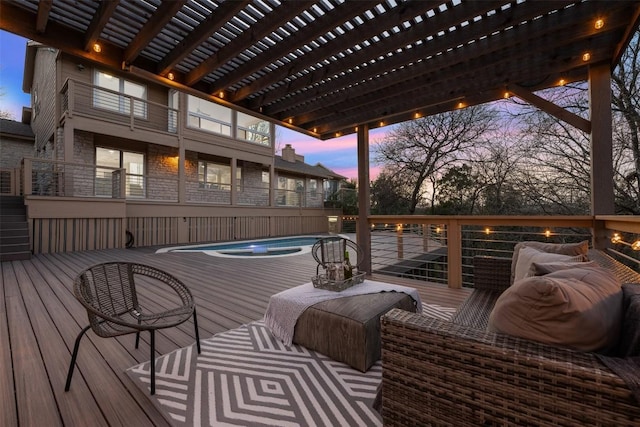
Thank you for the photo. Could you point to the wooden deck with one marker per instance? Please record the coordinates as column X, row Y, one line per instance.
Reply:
column 40, row 319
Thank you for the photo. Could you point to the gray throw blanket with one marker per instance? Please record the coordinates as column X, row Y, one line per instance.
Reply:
column 285, row 307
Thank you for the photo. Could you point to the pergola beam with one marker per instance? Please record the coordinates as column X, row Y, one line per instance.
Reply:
column 284, row 13
column 304, row 35
column 551, row 108
column 200, row 34
column 44, row 7
column 153, row 26
column 98, row 22
column 478, row 53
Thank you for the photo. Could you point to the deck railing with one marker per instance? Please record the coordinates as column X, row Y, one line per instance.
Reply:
column 45, row 177
column 115, row 107
column 441, row 248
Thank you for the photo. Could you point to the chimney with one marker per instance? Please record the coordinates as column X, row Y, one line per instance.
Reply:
column 289, row 154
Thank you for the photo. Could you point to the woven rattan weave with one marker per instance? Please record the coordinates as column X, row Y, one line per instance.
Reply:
column 457, row 373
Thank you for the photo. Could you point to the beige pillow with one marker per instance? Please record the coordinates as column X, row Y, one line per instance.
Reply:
column 579, row 307
column 528, row 256
column 572, row 249
column 542, row 269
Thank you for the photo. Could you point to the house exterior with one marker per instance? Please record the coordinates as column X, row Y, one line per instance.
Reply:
column 16, row 143
column 118, row 158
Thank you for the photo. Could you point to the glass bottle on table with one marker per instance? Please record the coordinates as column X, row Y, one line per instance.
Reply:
column 347, row 267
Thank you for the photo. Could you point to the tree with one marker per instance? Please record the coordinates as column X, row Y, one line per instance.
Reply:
column 349, row 197
column 458, row 192
column 420, row 149
column 626, row 103
column 5, row 114
column 390, row 194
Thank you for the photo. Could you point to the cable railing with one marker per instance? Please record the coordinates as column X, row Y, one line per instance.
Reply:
column 43, row 177
column 441, row 248
column 115, row 107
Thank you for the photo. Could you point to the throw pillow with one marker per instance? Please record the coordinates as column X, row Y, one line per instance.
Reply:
column 629, row 344
column 546, row 268
column 529, row 255
column 579, row 308
column 572, row 249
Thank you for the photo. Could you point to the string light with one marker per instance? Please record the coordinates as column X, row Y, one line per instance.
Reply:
column 171, row 76
column 547, row 233
column 599, row 24
column 97, row 48
column 586, row 56
column 617, row 239
column 487, row 230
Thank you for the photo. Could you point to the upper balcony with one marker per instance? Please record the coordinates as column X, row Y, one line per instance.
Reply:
column 102, row 110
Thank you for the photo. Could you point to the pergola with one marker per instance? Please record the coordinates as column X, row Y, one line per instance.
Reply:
column 332, row 67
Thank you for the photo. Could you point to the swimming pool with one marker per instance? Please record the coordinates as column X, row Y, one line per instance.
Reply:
column 262, row 248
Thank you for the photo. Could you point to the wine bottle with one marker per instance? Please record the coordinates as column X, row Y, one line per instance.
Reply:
column 348, row 268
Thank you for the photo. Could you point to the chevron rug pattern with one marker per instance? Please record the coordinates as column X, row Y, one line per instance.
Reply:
column 245, row 377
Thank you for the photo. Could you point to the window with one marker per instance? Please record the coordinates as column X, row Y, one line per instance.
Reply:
column 174, row 106
column 313, row 187
column 290, row 191
column 217, row 176
column 209, row 116
column 119, row 95
column 254, row 130
column 133, row 163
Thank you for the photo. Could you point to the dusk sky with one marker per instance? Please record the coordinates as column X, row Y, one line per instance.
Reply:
column 337, row 154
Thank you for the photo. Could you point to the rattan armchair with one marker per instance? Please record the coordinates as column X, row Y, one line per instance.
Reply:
column 331, row 250
column 456, row 372
column 109, row 292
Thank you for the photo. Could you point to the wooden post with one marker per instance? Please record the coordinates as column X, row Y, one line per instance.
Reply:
column 27, row 186
column 363, row 229
column 399, row 234
column 454, row 254
column 602, row 197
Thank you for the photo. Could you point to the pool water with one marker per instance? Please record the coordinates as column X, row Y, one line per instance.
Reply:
column 253, row 248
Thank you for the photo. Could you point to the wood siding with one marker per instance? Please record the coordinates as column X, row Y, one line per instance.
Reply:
column 44, row 118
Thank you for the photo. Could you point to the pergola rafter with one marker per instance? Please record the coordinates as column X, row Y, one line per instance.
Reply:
column 324, row 67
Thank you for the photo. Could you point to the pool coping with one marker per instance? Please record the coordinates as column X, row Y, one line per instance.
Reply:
column 306, row 249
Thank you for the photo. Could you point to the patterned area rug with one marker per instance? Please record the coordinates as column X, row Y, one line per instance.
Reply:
column 245, row 377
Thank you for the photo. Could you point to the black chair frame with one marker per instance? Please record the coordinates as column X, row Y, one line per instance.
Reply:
column 109, row 294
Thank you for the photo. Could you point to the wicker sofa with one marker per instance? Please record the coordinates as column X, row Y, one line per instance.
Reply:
column 457, row 373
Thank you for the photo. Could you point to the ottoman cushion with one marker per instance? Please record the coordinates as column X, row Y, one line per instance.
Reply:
column 348, row 329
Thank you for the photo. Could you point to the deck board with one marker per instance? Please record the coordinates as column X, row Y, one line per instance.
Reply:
column 40, row 319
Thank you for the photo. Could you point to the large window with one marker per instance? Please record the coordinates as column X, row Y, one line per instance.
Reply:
column 217, row 175
column 290, row 191
column 254, row 130
column 132, row 162
column 120, row 95
column 209, row 116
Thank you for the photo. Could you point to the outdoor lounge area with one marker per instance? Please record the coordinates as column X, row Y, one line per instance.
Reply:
column 188, row 87
column 40, row 319
column 424, row 356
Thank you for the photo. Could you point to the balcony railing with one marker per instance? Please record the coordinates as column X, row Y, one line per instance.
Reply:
column 51, row 178
column 441, row 248
column 91, row 101
column 45, row 177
